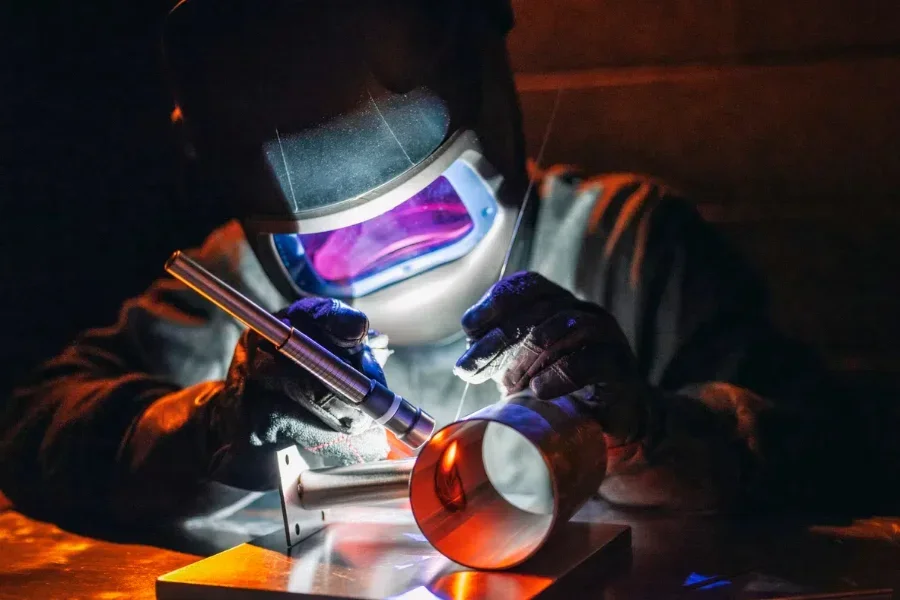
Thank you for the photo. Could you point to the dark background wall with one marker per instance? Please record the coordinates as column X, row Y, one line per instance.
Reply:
column 778, row 116
column 88, row 172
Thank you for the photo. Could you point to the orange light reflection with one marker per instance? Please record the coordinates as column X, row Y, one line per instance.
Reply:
column 462, row 583
column 449, row 458
column 447, row 482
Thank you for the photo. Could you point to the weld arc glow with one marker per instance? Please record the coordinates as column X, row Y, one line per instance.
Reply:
column 448, row 484
column 449, row 458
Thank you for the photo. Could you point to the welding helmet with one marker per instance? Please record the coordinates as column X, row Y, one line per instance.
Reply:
column 372, row 148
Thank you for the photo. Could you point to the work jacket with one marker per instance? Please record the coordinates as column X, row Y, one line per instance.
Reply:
column 748, row 418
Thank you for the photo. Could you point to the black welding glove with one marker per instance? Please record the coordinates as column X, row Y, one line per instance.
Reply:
column 266, row 402
column 671, row 450
column 528, row 332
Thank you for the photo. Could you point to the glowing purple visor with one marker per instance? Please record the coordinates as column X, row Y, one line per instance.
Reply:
column 439, row 224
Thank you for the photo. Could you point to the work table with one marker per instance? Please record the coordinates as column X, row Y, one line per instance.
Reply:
column 672, row 555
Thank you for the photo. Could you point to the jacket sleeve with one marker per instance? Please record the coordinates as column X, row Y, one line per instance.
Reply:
column 741, row 413
column 64, row 434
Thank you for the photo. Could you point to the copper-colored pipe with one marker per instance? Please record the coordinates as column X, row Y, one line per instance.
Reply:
column 456, row 485
column 467, row 511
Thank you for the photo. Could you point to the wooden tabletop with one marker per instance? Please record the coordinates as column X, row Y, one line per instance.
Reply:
column 673, row 556
column 39, row 560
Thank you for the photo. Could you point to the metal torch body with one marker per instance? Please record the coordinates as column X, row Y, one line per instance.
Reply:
column 409, row 423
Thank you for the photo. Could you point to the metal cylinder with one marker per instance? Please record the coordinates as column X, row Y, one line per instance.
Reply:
column 411, row 425
column 356, row 484
column 190, row 273
column 337, row 375
column 489, row 490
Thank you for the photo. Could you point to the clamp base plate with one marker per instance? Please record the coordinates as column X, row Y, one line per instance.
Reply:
column 379, row 553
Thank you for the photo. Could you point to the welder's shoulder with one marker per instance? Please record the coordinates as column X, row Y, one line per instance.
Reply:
column 605, row 204
column 224, row 252
column 598, row 216
column 624, row 200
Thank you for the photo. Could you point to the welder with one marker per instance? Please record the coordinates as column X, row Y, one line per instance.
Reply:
column 373, row 158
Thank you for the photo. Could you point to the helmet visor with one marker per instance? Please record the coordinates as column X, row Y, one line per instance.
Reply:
column 440, row 223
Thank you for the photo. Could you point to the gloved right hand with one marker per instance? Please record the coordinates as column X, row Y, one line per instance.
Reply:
column 266, row 403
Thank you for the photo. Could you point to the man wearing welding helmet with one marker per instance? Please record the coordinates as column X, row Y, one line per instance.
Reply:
column 373, row 152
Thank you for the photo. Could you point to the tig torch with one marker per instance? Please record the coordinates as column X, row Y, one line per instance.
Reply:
column 410, row 424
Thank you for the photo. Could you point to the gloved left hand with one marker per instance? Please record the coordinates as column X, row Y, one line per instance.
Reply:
column 528, row 332
column 267, row 401
column 228, row 431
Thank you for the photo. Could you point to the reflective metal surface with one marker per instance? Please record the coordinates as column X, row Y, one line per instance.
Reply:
column 341, row 378
column 355, row 484
column 299, row 523
column 749, row 557
column 337, row 375
column 363, row 559
column 193, row 275
column 466, row 509
column 411, row 425
column 307, row 495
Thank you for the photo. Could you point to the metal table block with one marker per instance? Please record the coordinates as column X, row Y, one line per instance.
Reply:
column 379, row 553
